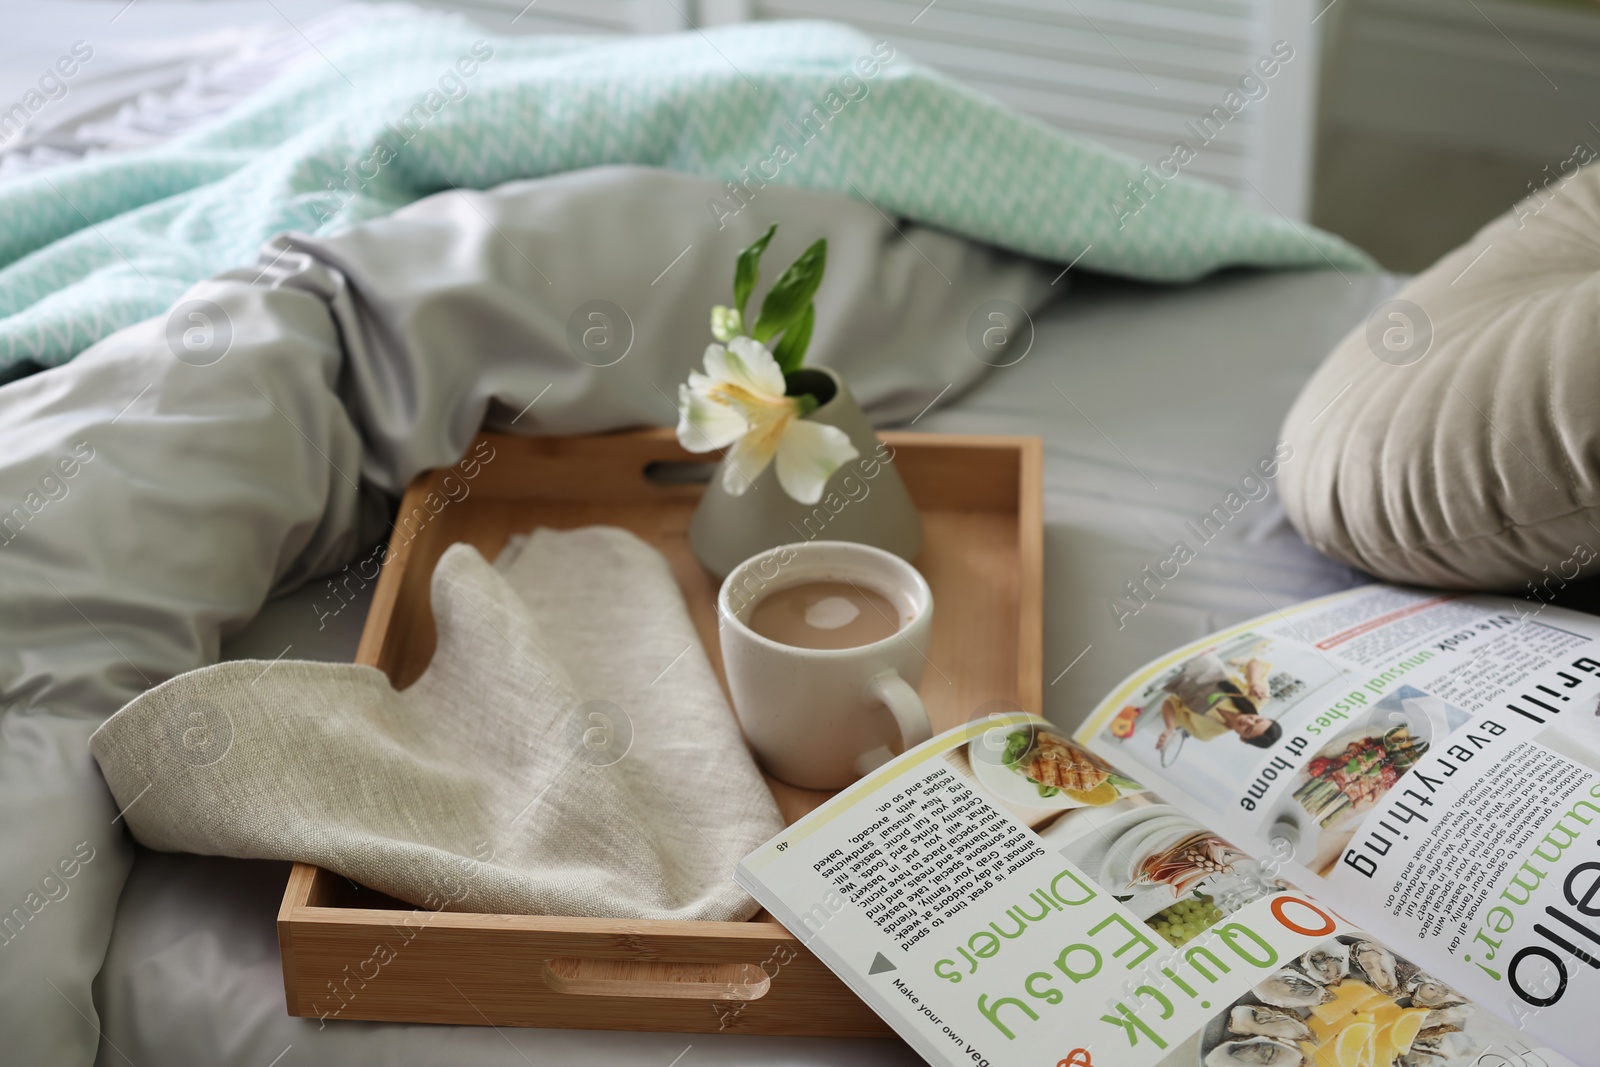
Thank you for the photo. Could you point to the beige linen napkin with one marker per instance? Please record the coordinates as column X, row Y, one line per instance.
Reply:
column 567, row 752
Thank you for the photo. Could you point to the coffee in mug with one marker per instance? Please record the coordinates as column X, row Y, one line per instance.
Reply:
column 823, row 645
column 826, row 614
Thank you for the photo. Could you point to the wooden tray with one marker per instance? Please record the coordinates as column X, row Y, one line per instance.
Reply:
column 352, row 953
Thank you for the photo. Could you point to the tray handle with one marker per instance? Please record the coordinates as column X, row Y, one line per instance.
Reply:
column 666, row 473
column 656, row 979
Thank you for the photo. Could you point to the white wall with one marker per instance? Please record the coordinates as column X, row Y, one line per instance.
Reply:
column 1514, row 79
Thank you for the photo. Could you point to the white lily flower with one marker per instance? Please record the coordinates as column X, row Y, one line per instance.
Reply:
column 726, row 323
column 739, row 401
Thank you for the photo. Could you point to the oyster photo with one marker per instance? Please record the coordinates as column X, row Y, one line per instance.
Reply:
column 1454, row 1017
column 1256, row 1052
column 1448, row 1046
column 1327, row 964
column 1420, row 1059
column 1378, row 963
column 1428, row 992
column 1347, row 1002
column 1263, row 1020
column 1291, row 989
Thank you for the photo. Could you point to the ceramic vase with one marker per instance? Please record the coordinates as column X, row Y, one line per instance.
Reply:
column 864, row 501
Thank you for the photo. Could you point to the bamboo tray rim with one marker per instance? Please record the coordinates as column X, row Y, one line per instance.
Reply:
column 623, row 939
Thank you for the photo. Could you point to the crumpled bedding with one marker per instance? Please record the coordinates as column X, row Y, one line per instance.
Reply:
column 425, row 102
column 155, row 491
column 169, row 69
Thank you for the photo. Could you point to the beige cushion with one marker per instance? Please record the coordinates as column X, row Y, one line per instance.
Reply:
column 1474, row 466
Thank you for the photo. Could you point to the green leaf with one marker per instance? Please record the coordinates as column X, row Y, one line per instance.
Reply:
column 1018, row 744
column 787, row 299
column 791, row 350
column 747, row 270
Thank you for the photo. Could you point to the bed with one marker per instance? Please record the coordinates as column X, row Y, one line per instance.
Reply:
column 1153, row 401
column 192, row 973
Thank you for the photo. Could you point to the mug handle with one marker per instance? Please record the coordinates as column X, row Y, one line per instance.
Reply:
column 896, row 694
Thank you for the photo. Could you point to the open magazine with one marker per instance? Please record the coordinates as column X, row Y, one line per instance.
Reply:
column 1363, row 832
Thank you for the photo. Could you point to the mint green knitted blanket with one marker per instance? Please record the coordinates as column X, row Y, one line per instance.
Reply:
column 423, row 102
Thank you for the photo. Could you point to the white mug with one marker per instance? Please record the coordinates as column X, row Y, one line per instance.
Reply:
column 821, row 718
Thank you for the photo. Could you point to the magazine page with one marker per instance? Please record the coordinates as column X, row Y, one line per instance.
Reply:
column 1001, row 896
column 1427, row 763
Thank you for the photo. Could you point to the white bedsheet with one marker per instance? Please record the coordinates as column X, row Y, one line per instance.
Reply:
column 1152, row 402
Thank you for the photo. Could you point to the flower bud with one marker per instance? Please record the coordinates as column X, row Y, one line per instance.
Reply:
column 726, row 323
